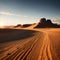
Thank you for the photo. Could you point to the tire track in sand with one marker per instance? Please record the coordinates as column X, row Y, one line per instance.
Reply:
column 19, row 52
column 27, row 51
column 45, row 51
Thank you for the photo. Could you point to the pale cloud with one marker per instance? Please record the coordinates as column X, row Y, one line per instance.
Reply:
column 7, row 13
column 25, row 16
column 57, row 21
column 11, row 14
column 36, row 17
column 18, row 15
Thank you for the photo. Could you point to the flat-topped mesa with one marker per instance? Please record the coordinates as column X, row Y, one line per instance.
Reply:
column 43, row 23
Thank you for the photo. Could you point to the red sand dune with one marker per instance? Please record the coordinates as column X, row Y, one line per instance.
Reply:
column 34, row 44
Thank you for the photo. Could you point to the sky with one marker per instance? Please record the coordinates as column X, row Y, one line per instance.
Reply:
column 14, row 12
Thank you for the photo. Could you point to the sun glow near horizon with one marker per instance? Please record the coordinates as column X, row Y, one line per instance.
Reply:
column 1, row 23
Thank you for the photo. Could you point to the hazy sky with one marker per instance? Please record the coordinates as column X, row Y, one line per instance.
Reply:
column 13, row 12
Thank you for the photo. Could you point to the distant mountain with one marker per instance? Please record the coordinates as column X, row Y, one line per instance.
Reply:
column 18, row 25
column 26, row 25
column 43, row 23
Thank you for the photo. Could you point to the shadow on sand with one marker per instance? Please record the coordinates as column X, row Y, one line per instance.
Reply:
column 7, row 35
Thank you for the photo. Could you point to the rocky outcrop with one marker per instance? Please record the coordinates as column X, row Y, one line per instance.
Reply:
column 26, row 25
column 43, row 23
column 18, row 25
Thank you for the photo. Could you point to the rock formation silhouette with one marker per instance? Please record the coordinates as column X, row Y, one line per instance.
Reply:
column 18, row 25
column 26, row 25
column 43, row 23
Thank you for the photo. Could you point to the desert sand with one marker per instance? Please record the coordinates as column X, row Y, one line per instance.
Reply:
column 30, row 44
